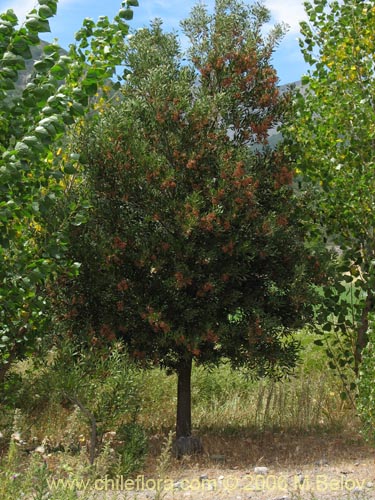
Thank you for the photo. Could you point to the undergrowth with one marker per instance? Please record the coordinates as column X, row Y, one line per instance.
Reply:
column 45, row 434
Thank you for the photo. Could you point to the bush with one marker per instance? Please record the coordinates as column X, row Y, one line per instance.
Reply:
column 88, row 392
column 133, row 449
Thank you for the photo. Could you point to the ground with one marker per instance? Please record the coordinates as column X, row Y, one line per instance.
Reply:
column 273, row 466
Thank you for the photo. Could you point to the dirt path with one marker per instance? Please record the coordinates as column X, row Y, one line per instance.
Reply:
column 341, row 481
column 271, row 468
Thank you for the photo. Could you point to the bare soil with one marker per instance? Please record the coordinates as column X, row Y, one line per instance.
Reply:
column 273, row 466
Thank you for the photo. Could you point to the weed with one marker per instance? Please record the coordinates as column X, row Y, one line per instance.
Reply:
column 132, row 449
column 163, row 465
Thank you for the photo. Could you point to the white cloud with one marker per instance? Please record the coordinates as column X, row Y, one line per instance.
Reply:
column 288, row 11
column 291, row 12
column 20, row 8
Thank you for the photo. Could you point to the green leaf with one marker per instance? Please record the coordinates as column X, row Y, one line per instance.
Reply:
column 68, row 118
column 49, row 126
column 30, row 139
column 80, row 35
column 77, row 109
column 126, row 14
column 59, row 71
column 9, row 16
column 35, row 206
column 51, row 49
column 70, row 169
column 327, row 327
column 348, row 279
column 13, row 61
column 9, row 73
column 45, row 12
column 79, row 219
column 90, row 87
column 36, row 275
column 65, row 59
column 22, row 148
column 48, row 110
column 40, row 66
column 42, row 132
column 52, row 4
column 6, row 84
column 37, row 25
column 21, row 47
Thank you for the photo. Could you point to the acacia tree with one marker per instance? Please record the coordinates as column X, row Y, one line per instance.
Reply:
column 331, row 135
column 194, row 249
column 33, row 123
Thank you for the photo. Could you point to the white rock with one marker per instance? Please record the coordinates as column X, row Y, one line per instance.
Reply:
column 16, row 436
column 301, row 478
column 261, row 470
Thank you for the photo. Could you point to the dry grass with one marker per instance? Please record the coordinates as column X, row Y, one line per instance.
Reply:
column 297, row 423
column 225, row 402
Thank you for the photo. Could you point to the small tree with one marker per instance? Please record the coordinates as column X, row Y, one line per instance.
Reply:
column 195, row 248
column 102, row 384
column 332, row 141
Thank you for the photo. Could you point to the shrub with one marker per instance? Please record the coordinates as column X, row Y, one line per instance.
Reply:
column 87, row 391
column 133, row 449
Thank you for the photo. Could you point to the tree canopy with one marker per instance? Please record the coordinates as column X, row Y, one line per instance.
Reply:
column 195, row 244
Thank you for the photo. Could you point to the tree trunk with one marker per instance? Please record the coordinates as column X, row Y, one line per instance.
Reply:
column 3, row 371
column 4, row 367
column 185, row 443
column 362, row 336
column 90, row 416
column 183, row 424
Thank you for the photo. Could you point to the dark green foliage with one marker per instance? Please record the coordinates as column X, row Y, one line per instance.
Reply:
column 195, row 246
column 133, row 448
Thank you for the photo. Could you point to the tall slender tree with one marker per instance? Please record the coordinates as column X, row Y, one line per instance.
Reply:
column 331, row 133
column 34, row 117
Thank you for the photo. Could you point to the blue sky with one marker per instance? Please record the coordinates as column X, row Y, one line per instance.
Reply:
column 288, row 59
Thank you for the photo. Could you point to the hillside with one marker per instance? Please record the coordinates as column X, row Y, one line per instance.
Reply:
column 37, row 53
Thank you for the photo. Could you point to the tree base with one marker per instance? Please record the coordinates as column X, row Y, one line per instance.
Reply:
column 190, row 445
